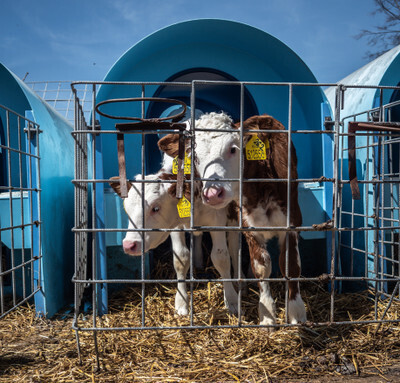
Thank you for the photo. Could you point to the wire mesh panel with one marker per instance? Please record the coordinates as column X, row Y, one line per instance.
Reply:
column 20, row 220
column 368, row 224
column 58, row 94
column 171, row 289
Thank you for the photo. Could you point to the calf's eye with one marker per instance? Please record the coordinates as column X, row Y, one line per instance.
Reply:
column 233, row 150
column 155, row 209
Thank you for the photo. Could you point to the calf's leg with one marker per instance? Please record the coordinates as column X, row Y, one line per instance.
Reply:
column 296, row 309
column 198, row 252
column 233, row 246
column 261, row 266
column 233, row 238
column 181, row 257
column 221, row 260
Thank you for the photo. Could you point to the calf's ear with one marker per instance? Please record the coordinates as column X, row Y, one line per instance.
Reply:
column 169, row 144
column 114, row 183
column 268, row 122
column 263, row 122
column 186, row 189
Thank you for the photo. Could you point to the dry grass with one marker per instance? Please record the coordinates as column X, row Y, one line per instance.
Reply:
column 38, row 350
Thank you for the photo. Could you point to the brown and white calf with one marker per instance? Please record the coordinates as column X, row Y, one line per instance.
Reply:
column 265, row 204
column 160, row 212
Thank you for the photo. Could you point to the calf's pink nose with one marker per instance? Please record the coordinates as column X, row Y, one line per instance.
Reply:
column 214, row 196
column 130, row 247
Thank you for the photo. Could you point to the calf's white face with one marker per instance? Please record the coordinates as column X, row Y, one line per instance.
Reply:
column 218, row 156
column 158, row 213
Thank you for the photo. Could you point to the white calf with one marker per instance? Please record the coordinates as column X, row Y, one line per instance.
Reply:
column 160, row 212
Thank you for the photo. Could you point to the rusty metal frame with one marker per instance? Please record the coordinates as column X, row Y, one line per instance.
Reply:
column 354, row 128
column 144, row 124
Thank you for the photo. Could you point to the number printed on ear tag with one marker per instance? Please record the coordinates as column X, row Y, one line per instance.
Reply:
column 256, row 149
column 183, row 207
column 187, row 165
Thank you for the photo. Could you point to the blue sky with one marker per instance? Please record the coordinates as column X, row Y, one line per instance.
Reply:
column 82, row 39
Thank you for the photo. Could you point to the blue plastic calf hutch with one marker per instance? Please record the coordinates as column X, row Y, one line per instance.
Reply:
column 36, row 199
column 222, row 53
column 367, row 95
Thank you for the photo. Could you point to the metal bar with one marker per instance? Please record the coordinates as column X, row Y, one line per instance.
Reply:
column 14, row 113
column 387, row 307
column 96, row 288
column 13, row 150
column 97, row 293
column 77, row 236
column 234, row 228
column 288, row 202
column 377, row 197
column 21, row 206
column 10, row 182
column 381, row 212
column 367, row 193
column 142, row 265
column 352, row 215
column 180, row 175
column 172, row 130
column 30, row 224
column 244, row 180
column 256, row 83
column 336, row 207
column 30, row 184
column 17, row 189
column 241, row 175
column 311, row 324
column 320, row 278
column 192, row 199
column 20, row 303
column 38, row 216
column 20, row 266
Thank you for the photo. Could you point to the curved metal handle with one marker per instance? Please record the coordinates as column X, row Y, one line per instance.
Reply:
column 141, row 99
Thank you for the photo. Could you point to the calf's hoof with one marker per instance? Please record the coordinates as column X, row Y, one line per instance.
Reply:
column 182, row 311
column 297, row 311
column 232, row 307
column 268, row 322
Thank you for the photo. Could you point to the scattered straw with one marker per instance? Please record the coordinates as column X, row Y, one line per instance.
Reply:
column 39, row 350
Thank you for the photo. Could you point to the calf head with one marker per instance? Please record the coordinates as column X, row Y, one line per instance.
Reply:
column 149, row 206
column 217, row 157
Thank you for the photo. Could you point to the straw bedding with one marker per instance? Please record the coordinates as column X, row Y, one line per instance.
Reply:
column 39, row 350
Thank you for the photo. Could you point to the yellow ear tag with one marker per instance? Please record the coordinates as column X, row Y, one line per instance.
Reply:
column 256, row 149
column 187, row 165
column 183, row 207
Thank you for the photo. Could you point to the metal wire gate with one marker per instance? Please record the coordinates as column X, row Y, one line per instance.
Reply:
column 368, row 237
column 20, row 218
column 348, row 237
